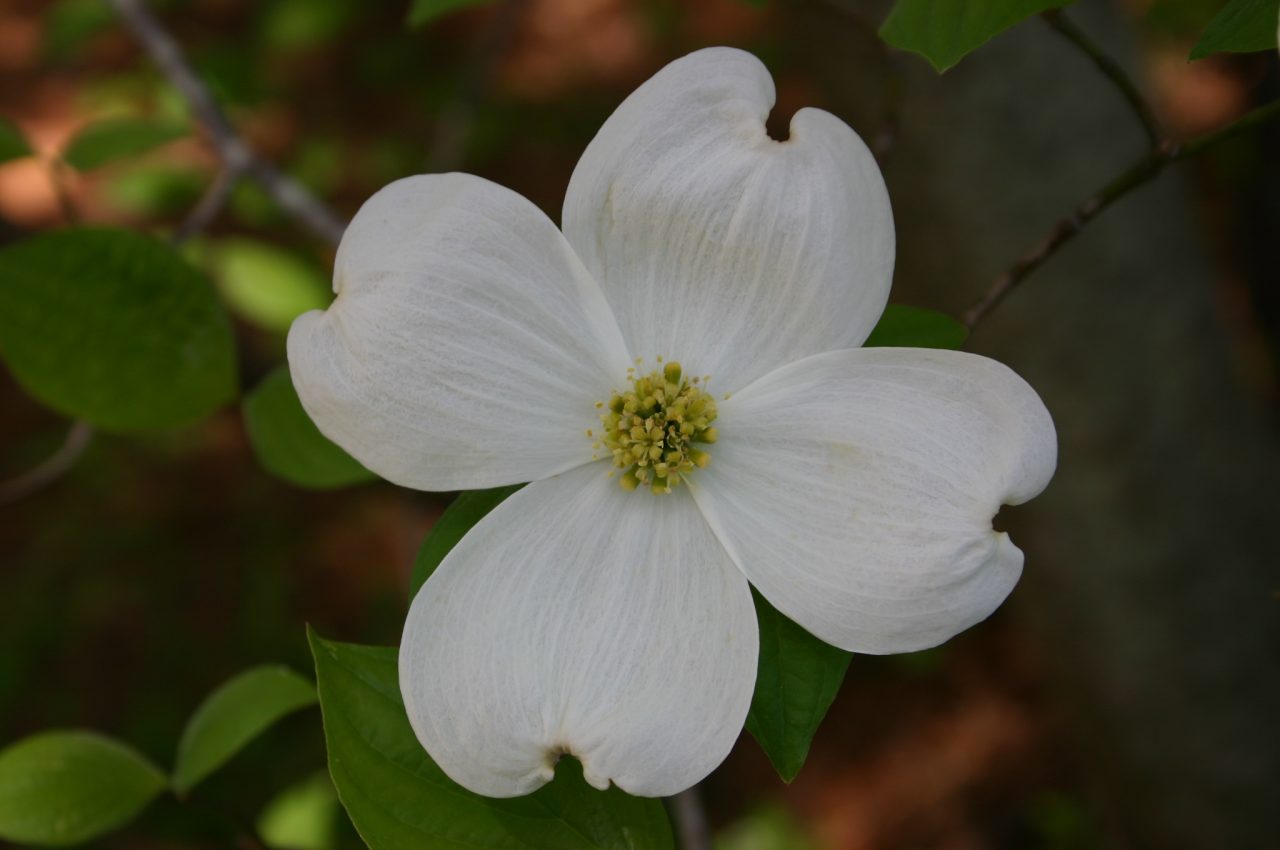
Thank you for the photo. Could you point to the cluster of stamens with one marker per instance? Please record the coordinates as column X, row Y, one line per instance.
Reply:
column 652, row 430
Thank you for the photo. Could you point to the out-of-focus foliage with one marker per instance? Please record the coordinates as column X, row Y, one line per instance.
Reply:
column 114, row 328
column 288, row 444
column 118, row 138
column 465, row 511
column 13, row 145
column 233, row 715
column 766, row 828
column 65, row 787
column 423, row 12
column 1243, row 26
column 301, row 817
column 266, row 285
column 69, row 23
column 945, row 31
column 399, row 799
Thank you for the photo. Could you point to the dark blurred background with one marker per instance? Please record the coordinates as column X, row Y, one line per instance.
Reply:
column 1127, row 695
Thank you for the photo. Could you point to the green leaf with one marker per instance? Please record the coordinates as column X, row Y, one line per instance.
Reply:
column 288, row 444
column 265, row 285
column 62, row 788
column 399, row 799
column 1243, row 26
column 457, row 519
column 233, row 715
column 118, row 138
column 13, row 144
column 945, row 31
column 68, row 24
column 114, row 328
column 423, row 12
column 914, row 327
column 301, row 817
column 796, row 680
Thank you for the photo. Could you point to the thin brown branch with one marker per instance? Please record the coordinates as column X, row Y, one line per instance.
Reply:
column 53, row 468
column 1110, row 69
column 235, row 154
column 692, row 830
column 1143, row 171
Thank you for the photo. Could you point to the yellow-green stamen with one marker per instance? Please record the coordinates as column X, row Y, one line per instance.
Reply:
column 651, row 430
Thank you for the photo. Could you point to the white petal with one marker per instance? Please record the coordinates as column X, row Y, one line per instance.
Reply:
column 856, row 490
column 718, row 246
column 583, row 619
column 467, row 346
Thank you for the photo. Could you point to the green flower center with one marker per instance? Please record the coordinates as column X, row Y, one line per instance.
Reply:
column 652, row 430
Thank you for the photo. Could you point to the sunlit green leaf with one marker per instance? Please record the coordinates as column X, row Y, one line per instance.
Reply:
column 945, row 31
column 399, row 799
column 796, row 680
column 1243, row 26
column 233, row 715
column 265, row 285
column 13, row 144
column 118, row 138
column 288, row 444
column 114, row 328
column 301, row 817
column 457, row 519
column 914, row 327
column 423, row 12
column 66, row 787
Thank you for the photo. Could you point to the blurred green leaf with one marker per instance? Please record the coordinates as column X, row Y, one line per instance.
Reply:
column 302, row 24
column 13, row 144
column 1243, row 26
column 914, row 327
column 69, row 23
column 288, row 444
column 302, row 816
column 399, row 799
column 66, row 787
column 767, row 828
column 114, row 328
column 945, row 31
column 465, row 511
column 118, row 138
column 796, row 680
column 150, row 190
column 233, row 715
column 423, row 12
column 265, row 285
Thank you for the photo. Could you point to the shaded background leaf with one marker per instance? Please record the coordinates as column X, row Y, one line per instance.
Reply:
column 1243, row 26
column 945, row 31
column 13, row 144
column 288, row 444
column 113, row 139
column 233, row 715
column 465, row 511
column 66, row 787
column 114, row 328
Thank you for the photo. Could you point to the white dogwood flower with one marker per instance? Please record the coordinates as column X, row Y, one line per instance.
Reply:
column 604, row 610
